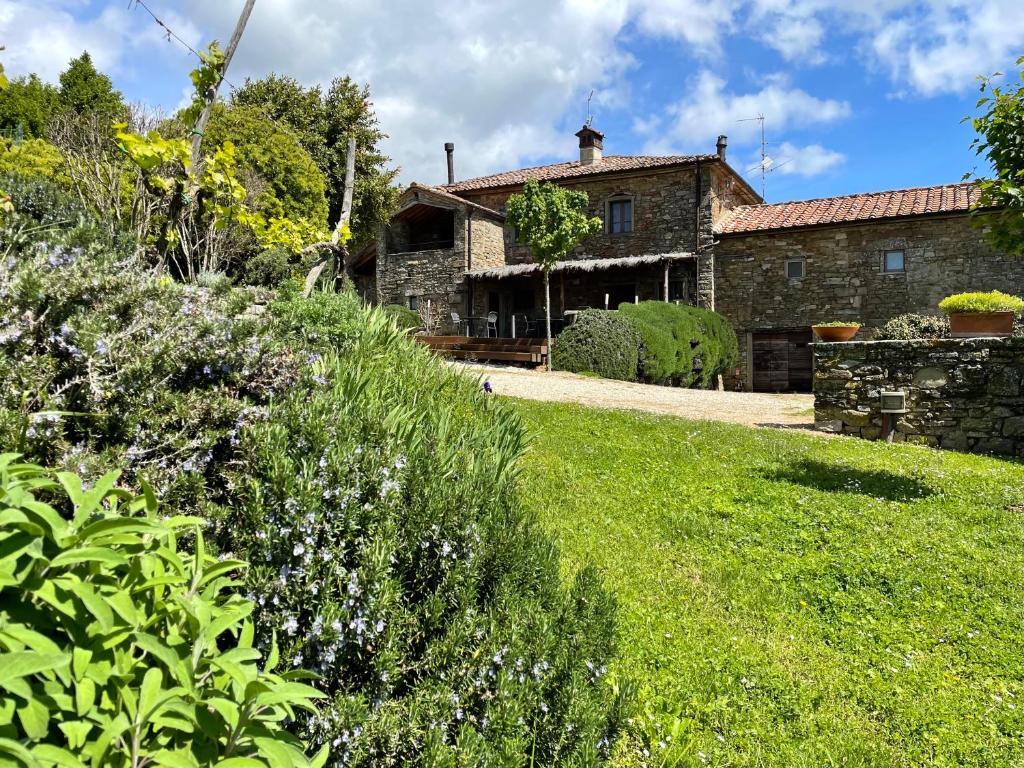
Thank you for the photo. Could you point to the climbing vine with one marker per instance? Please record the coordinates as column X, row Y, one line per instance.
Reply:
column 210, row 189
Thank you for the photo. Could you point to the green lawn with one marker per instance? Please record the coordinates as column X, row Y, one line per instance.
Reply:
column 789, row 600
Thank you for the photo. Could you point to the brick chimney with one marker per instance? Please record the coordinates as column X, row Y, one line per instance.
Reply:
column 591, row 145
column 723, row 142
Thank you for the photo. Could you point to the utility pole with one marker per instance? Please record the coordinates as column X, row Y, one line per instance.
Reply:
column 765, row 160
column 335, row 254
column 211, row 95
column 178, row 201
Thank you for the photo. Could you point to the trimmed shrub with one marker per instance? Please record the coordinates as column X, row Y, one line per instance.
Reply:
column 373, row 488
column 405, row 318
column 910, row 326
column 600, row 342
column 993, row 301
column 683, row 346
column 119, row 650
column 268, row 268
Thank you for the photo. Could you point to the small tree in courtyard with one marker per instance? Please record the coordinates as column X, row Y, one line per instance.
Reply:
column 1000, row 130
column 552, row 221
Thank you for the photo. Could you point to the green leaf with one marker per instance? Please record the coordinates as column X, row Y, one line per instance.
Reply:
column 320, row 759
column 85, row 696
column 114, row 728
column 240, row 762
column 88, row 554
column 179, row 759
column 95, row 604
column 49, row 753
column 152, row 683
column 222, row 567
column 77, row 732
column 110, row 525
column 280, row 755
column 14, row 749
column 162, row 652
column 23, row 663
column 35, row 719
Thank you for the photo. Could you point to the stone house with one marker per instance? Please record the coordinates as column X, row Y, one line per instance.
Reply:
column 686, row 229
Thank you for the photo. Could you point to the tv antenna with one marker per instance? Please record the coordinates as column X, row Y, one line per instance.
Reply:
column 767, row 163
column 590, row 115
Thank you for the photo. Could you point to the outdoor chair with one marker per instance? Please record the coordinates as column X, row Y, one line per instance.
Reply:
column 457, row 324
column 492, row 324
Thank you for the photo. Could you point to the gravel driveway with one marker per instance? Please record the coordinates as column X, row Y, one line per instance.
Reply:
column 752, row 409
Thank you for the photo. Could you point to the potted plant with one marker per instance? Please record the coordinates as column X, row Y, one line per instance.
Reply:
column 837, row 330
column 981, row 314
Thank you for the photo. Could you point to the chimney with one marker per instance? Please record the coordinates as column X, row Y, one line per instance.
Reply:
column 591, row 144
column 449, row 149
column 723, row 142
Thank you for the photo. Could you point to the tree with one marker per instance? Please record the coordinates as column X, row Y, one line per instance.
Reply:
column 30, row 103
column 1000, row 130
column 282, row 176
column 84, row 90
column 552, row 221
column 323, row 124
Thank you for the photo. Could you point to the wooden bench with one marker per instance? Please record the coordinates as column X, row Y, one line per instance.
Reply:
column 504, row 350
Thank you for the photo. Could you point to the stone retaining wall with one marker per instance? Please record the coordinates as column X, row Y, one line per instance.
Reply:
column 962, row 394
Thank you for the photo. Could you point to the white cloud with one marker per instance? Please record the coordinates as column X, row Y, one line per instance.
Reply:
column 811, row 160
column 709, row 109
column 698, row 23
column 497, row 78
column 943, row 48
column 507, row 80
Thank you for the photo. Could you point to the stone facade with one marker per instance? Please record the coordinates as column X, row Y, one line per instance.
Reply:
column 962, row 394
column 843, row 274
column 666, row 219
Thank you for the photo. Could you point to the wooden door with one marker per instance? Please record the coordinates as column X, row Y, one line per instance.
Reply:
column 782, row 361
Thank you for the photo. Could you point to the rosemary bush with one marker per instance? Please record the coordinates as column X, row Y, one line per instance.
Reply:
column 373, row 490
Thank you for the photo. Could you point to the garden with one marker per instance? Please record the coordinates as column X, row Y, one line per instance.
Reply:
column 246, row 523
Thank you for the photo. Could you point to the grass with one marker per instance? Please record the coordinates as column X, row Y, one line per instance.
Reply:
column 790, row 600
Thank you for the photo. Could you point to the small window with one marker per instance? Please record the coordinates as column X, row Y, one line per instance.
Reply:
column 894, row 261
column 620, row 216
column 414, row 303
column 795, row 269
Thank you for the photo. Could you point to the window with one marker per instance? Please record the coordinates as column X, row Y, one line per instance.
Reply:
column 894, row 261
column 795, row 269
column 620, row 216
column 414, row 303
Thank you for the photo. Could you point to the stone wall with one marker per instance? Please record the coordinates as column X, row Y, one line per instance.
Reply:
column 843, row 273
column 435, row 275
column 962, row 394
column 664, row 203
column 488, row 239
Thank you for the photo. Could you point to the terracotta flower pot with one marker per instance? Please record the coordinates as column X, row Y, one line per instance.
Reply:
column 966, row 325
column 830, row 333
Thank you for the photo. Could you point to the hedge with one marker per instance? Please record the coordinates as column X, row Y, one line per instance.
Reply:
column 682, row 345
column 600, row 342
column 406, row 319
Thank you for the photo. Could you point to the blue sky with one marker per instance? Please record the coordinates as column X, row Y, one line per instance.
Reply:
column 857, row 96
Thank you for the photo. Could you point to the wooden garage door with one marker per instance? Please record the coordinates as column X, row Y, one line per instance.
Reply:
column 782, row 361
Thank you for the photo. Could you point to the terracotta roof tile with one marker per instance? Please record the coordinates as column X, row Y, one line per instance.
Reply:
column 446, row 195
column 947, row 198
column 559, row 171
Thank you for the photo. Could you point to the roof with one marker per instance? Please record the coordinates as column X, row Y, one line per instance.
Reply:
column 445, row 195
column 574, row 169
column 871, row 206
column 579, row 265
